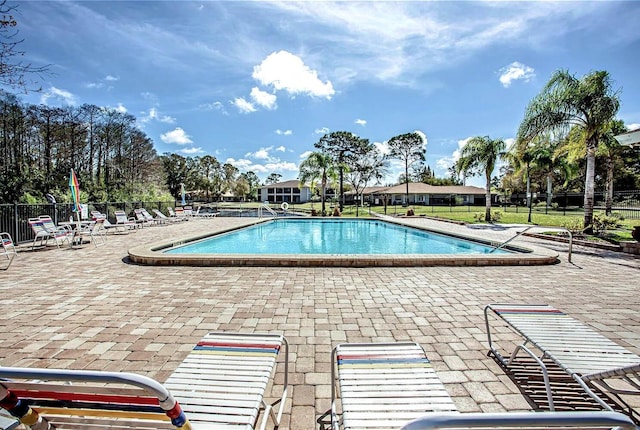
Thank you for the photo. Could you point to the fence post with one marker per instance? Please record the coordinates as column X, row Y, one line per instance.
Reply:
column 15, row 224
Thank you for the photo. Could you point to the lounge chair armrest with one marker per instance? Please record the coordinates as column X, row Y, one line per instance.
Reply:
column 521, row 419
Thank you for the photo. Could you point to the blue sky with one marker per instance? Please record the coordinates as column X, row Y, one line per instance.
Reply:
column 257, row 83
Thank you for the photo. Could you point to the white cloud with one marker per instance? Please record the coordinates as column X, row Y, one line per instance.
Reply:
column 285, row 71
column 276, row 166
column 322, row 130
column 263, row 98
column 243, row 105
column 305, row 155
column 154, row 115
column 633, row 126
column 63, row 96
column 177, row 135
column 361, row 122
column 516, row 71
column 284, row 132
column 445, row 162
column 281, row 148
column 398, row 42
column 383, row 147
column 111, row 78
column 261, row 154
column 192, row 150
column 215, row 106
column 121, row 108
column 422, row 136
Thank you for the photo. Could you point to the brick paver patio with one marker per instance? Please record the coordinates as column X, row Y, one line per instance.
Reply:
column 87, row 308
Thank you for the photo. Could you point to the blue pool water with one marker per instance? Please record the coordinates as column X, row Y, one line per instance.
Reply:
column 289, row 236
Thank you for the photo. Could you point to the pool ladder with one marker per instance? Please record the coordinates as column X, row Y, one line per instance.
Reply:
column 265, row 207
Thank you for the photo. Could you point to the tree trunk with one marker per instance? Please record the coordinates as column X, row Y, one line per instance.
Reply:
column 529, row 196
column 406, row 181
column 324, row 187
column 608, row 202
column 487, row 214
column 589, row 185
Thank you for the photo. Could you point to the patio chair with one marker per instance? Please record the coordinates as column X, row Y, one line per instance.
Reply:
column 595, row 362
column 220, row 384
column 162, row 218
column 199, row 213
column 224, row 378
column 44, row 229
column 107, row 225
column 95, row 231
column 174, row 213
column 8, row 248
column 188, row 211
column 145, row 213
column 124, row 221
column 141, row 218
column 88, row 399
column 384, row 385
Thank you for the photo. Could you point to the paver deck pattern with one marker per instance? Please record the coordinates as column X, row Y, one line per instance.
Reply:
column 87, row 308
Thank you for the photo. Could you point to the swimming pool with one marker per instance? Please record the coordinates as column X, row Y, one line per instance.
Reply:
column 171, row 252
column 318, row 236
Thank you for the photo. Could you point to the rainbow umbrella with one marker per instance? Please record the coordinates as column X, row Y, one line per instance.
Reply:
column 75, row 192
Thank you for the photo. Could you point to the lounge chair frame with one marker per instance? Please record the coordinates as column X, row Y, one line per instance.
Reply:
column 543, row 420
column 135, row 401
column 8, row 248
column 383, row 385
column 591, row 359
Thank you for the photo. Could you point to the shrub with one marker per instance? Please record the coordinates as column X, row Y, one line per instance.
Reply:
column 574, row 225
column 602, row 223
column 496, row 216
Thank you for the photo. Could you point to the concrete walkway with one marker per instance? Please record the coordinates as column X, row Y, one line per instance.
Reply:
column 87, row 308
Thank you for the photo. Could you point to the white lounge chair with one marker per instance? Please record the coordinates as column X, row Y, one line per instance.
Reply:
column 392, row 386
column 221, row 384
column 178, row 213
column 162, row 218
column 122, row 220
column 224, row 378
column 384, row 385
column 592, row 360
column 8, row 248
column 47, row 229
column 95, row 231
column 142, row 219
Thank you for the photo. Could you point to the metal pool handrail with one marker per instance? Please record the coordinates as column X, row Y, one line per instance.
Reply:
column 542, row 227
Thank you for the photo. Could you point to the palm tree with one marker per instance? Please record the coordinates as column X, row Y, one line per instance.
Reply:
column 611, row 150
column 589, row 103
column 318, row 165
column 480, row 154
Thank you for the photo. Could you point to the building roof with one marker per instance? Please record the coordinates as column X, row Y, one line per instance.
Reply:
column 294, row 183
column 630, row 138
column 422, row 188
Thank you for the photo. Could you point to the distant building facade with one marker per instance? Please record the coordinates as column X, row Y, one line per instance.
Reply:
column 424, row 194
column 419, row 194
